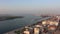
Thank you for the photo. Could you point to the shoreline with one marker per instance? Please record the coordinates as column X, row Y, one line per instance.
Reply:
column 26, row 25
column 9, row 17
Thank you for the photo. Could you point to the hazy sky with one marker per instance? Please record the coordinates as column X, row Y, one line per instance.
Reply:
column 29, row 6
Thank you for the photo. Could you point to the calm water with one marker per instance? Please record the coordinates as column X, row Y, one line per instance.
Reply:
column 9, row 25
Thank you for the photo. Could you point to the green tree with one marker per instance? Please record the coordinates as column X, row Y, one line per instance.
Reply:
column 17, row 32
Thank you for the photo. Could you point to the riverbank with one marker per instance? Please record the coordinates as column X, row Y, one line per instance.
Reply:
column 2, row 18
column 12, row 31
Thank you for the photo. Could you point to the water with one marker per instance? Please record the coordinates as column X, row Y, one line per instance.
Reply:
column 9, row 25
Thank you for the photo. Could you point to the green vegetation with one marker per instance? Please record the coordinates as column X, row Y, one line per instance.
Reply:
column 17, row 32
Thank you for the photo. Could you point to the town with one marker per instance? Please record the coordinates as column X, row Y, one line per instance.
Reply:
column 47, row 26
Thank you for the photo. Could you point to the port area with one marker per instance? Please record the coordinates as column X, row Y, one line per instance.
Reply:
column 47, row 25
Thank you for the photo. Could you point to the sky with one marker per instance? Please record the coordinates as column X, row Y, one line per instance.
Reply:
column 29, row 6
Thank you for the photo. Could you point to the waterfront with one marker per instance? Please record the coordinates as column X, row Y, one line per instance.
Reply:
column 47, row 25
column 9, row 25
column 31, row 25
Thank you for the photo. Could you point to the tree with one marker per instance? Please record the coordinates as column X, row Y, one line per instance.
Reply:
column 17, row 32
